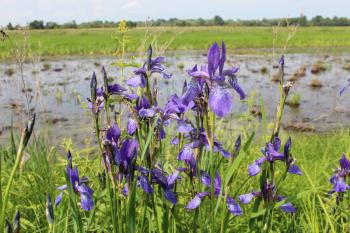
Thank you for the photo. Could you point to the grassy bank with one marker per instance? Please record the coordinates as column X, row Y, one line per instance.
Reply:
column 44, row 169
column 101, row 41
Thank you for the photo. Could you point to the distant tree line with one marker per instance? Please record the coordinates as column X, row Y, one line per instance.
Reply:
column 216, row 21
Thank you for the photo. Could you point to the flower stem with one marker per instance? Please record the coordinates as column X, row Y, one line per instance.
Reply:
column 212, row 166
column 26, row 133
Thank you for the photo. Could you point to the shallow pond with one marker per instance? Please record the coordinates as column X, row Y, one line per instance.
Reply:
column 57, row 90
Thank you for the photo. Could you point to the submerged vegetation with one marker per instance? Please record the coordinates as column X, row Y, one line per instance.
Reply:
column 294, row 100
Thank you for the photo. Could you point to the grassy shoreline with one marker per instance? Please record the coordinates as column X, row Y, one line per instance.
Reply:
column 243, row 40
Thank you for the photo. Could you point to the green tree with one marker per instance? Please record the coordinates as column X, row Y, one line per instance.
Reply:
column 70, row 24
column 9, row 26
column 51, row 25
column 218, row 20
column 36, row 24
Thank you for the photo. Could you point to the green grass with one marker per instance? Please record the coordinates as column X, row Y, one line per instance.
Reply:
column 44, row 170
column 101, row 41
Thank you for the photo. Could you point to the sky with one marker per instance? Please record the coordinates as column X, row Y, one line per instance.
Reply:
column 24, row 11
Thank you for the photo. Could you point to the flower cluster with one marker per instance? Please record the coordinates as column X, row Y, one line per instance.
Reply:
column 270, row 155
column 212, row 79
column 269, row 195
column 79, row 185
column 151, row 66
column 231, row 204
column 338, row 180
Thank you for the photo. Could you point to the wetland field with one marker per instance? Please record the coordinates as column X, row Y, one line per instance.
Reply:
column 173, row 132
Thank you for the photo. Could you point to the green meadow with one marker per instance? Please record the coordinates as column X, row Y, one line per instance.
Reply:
column 317, row 156
column 63, row 42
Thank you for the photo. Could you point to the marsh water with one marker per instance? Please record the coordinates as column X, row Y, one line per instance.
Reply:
column 57, row 88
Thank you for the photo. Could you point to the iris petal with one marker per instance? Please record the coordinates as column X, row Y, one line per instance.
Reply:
column 294, row 169
column 186, row 154
column 213, row 59
column 340, row 185
column 131, row 126
column 113, row 133
column 254, row 169
column 217, row 184
column 116, row 89
column 86, row 201
column 134, row 81
column 220, row 101
column 58, row 199
column 182, row 127
column 288, row 208
column 205, row 178
column 170, row 196
column 233, row 206
column 145, row 185
column 222, row 58
column 196, row 201
column 344, row 162
column 246, row 198
column 146, row 112
column 233, row 82
column 172, row 178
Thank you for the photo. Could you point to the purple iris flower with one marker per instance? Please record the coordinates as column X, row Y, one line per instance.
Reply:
column 183, row 127
column 124, row 157
column 187, row 155
column 123, row 153
column 193, row 89
column 113, row 89
column 127, row 155
column 142, row 181
column 174, row 107
column 79, row 186
column 281, row 61
column 269, row 196
column 291, row 167
column 166, row 182
column 96, row 103
column 96, row 106
column 131, row 126
column 271, row 154
column 342, row 90
column 237, row 146
column 231, row 204
column 338, row 180
column 144, row 108
column 202, row 140
column 158, row 176
column 214, row 75
column 173, row 110
column 150, row 67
